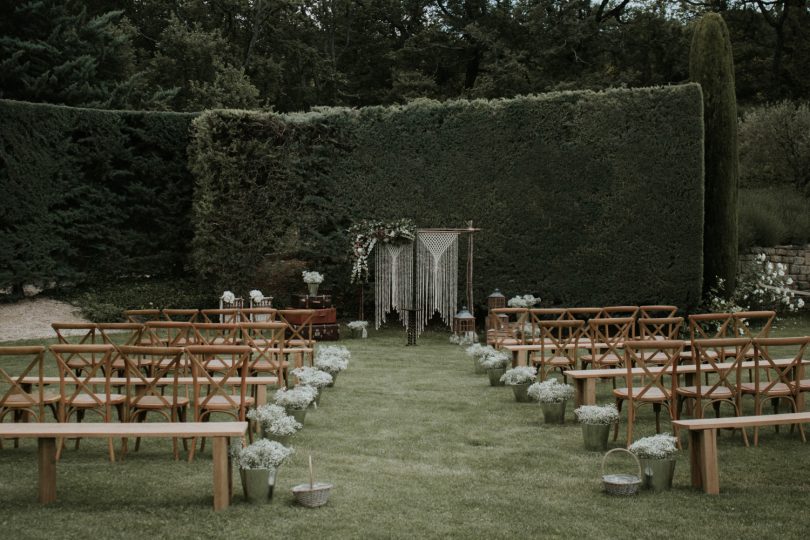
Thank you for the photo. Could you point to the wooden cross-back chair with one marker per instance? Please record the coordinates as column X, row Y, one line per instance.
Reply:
column 711, row 326
column 657, row 384
column 222, row 315
column 218, row 396
column 786, row 383
column 584, row 314
column 613, row 312
column 267, row 344
column 607, row 340
column 168, row 333
column 259, row 314
column 142, row 315
column 149, row 392
column 660, row 328
column 763, row 321
column 657, row 311
column 216, row 333
column 117, row 334
column 299, row 341
column 16, row 397
column 509, row 323
column 535, row 317
column 84, row 334
column 725, row 383
column 180, row 314
column 78, row 393
column 559, row 340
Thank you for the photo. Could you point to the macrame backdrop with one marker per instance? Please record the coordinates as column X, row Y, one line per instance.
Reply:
column 437, row 276
column 393, row 279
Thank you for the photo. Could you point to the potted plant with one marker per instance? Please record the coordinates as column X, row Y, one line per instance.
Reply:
column 358, row 329
column 495, row 363
column 332, row 359
column 657, row 455
column 313, row 377
column 552, row 396
column 596, row 421
column 274, row 423
column 296, row 401
column 258, row 466
column 312, row 279
column 476, row 351
column 520, row 378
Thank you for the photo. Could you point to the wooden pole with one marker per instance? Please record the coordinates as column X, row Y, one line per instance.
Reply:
column 470, row 237
column 414, row 280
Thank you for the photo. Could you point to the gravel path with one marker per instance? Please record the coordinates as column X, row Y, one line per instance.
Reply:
column 31, row 319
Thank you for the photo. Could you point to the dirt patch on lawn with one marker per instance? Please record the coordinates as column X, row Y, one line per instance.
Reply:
column 31, row 319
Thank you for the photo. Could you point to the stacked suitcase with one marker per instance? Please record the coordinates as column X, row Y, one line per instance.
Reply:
column 324, row 323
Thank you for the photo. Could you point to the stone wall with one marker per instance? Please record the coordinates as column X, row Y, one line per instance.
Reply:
column 795, row 258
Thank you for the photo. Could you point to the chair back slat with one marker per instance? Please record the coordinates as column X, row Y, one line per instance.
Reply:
column 12, row 385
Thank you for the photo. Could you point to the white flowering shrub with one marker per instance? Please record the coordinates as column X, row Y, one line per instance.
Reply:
column 476, row 350
column 661, row 446
column 284, row 426
column 274, row 419
column 262, row 454
column 551, row 391
column 597, row 414
column 310, row 376
column 298, row 398
column 519, row 375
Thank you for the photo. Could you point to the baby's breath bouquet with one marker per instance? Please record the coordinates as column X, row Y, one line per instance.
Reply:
column 525, row 301
column 298, row 398
column 312, row 277
column 597, row 415
column 262, row 454
column 494, row 360
column 313, row 377
column 661, row 446
column 519, row 375
column 551, row 391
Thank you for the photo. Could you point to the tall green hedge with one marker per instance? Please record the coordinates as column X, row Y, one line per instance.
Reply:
column 711, row 64
column 583, row 198
column 92, row 194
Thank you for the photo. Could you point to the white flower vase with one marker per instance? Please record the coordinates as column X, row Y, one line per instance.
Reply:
column 313, row 288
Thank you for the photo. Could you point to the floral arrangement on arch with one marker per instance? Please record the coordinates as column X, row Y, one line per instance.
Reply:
column 365, row 236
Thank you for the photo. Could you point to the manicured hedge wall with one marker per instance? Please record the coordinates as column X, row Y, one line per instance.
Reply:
column 91, row 193
column 583, row 198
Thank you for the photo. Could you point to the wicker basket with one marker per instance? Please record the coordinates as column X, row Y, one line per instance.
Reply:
column 621, row 484
column 312, row 494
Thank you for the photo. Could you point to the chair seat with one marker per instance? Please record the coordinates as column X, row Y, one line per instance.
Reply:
column 267, row 365
column 21, row 401
column 804, row 385
column 154, row 402
column 555, row 361
column 777, row 390
column 603, row 360
column 652, row 394
column 221, row 403
column 84, row 401
column 721, row 392
column 218, row 365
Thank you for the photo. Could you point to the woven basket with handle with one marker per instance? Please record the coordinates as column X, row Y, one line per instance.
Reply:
column 313, row 494
column 621, row 484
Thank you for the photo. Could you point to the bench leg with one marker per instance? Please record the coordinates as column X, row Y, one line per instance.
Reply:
column 223, row 480
column 703, row 460
column 47, row 469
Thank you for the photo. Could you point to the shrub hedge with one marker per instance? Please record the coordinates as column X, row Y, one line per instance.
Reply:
column 92, row 194
column 583, row 198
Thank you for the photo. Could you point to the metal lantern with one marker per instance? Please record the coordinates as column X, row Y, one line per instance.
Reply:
column 496, row 300
column 464, row 323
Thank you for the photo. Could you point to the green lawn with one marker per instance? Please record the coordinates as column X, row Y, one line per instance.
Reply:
column 417, row 446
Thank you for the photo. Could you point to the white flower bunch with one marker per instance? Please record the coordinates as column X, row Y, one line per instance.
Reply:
column 262, row 454
column 309, row 376
column 228, row 297
column 312, row 277
column 298, row 398
column 256, row 295
column 476, row 350
column 358, row 325
column 331, row 362
column 284, row 426
column 551, row 391
column 525, row 301
column 494, row 360
column 661, row 446
column 519, row 375
column 464, row 340
column 597, row 414
column 266, row 414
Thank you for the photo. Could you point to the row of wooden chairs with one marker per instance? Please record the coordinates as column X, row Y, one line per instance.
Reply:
column 658, row 385
column 133, row 380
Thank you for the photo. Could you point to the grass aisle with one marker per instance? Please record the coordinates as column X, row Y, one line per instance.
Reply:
column 417, row 446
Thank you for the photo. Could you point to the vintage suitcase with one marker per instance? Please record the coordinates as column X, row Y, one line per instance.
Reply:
column 303, row 301
column 323, row 332
column 322, row 316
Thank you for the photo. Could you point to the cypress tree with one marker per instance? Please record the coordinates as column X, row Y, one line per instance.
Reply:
column 711, row 65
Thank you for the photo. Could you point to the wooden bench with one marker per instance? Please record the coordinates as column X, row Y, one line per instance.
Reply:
column 703, row 442
column 47, row 434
